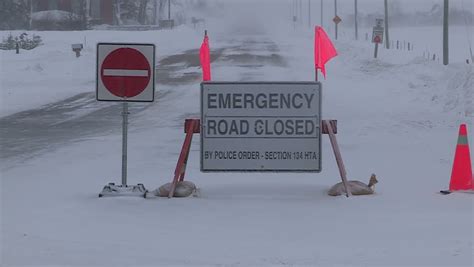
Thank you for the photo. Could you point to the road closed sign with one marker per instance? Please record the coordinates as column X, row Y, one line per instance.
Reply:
column 125, row 72
column 261, row 126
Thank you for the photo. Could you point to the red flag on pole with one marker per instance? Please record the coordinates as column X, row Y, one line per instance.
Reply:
column 205, row 57
column 323, row 49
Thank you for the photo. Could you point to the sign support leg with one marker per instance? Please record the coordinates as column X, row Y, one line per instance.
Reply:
column 183, row 158
column 376, row 49
column 185, row 163
column 337, row 154
column 124, row 190
column 124, row 142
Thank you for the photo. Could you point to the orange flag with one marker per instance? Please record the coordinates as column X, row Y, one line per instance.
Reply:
column 323, row 49
column 205, row 57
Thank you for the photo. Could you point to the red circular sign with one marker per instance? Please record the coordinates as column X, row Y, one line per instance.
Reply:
column 125, row 72
column 377, row 39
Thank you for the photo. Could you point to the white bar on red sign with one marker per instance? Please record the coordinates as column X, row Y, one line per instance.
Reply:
column 125, row 73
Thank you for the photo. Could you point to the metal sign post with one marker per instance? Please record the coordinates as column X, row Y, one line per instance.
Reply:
column 376, row 49
column 336, row 21
column 124, row 142
column 125, row 73
column 377, row 35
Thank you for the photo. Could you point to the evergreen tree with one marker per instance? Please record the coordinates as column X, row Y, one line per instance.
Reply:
column 14, row 14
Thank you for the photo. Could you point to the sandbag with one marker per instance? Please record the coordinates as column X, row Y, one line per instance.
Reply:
column 357, row 188
column 183, row 189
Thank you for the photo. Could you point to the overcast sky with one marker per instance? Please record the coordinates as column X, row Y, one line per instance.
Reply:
column 406, row 5
column 365, row 6
column 269, row 11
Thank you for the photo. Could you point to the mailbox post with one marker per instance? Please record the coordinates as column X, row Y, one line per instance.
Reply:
column 77, row 48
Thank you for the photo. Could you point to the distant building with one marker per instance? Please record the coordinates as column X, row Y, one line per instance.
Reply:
column 100, row 11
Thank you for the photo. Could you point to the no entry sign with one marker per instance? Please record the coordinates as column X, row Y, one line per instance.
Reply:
column 272, row 126
column 125, row 72
column 377, row 35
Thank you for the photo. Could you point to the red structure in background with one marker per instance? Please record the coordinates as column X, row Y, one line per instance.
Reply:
column 106, row 11
column 100, row 11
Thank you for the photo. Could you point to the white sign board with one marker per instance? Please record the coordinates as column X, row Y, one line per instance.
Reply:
column 377, row 35
column 262, row 126
column 378, row 22
column 125, row 72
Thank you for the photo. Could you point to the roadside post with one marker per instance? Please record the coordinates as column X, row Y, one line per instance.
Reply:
column 377, row 35
column 336, row 21
column 77, row 48
column 125, row 73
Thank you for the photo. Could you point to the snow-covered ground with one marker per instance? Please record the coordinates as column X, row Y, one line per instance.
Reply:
column 398, row 117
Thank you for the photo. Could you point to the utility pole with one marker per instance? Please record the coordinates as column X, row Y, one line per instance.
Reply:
column 293, row 13
column 321, row 13
column 387, row 40
column 301, row 12
column 309, row 13
column 446, row 33
column 298, row 15
column 355, row 22
column 297, row 11
column 155, row 12
column 169, row 10
column 335, row 14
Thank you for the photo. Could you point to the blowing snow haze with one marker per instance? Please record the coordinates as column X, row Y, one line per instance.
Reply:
column 256, row 17
column 398, row 116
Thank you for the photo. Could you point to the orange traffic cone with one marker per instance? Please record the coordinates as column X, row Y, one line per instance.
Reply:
column 461, row 176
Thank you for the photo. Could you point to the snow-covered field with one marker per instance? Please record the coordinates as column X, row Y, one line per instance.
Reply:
column 398, row 117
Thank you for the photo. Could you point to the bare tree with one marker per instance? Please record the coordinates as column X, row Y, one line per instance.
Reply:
column 142, row 11
column 117, row 12
column 163, row 6
column 84, row 14
column 14, row 14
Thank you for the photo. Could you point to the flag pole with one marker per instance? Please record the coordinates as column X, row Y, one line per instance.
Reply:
column 315, row 39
